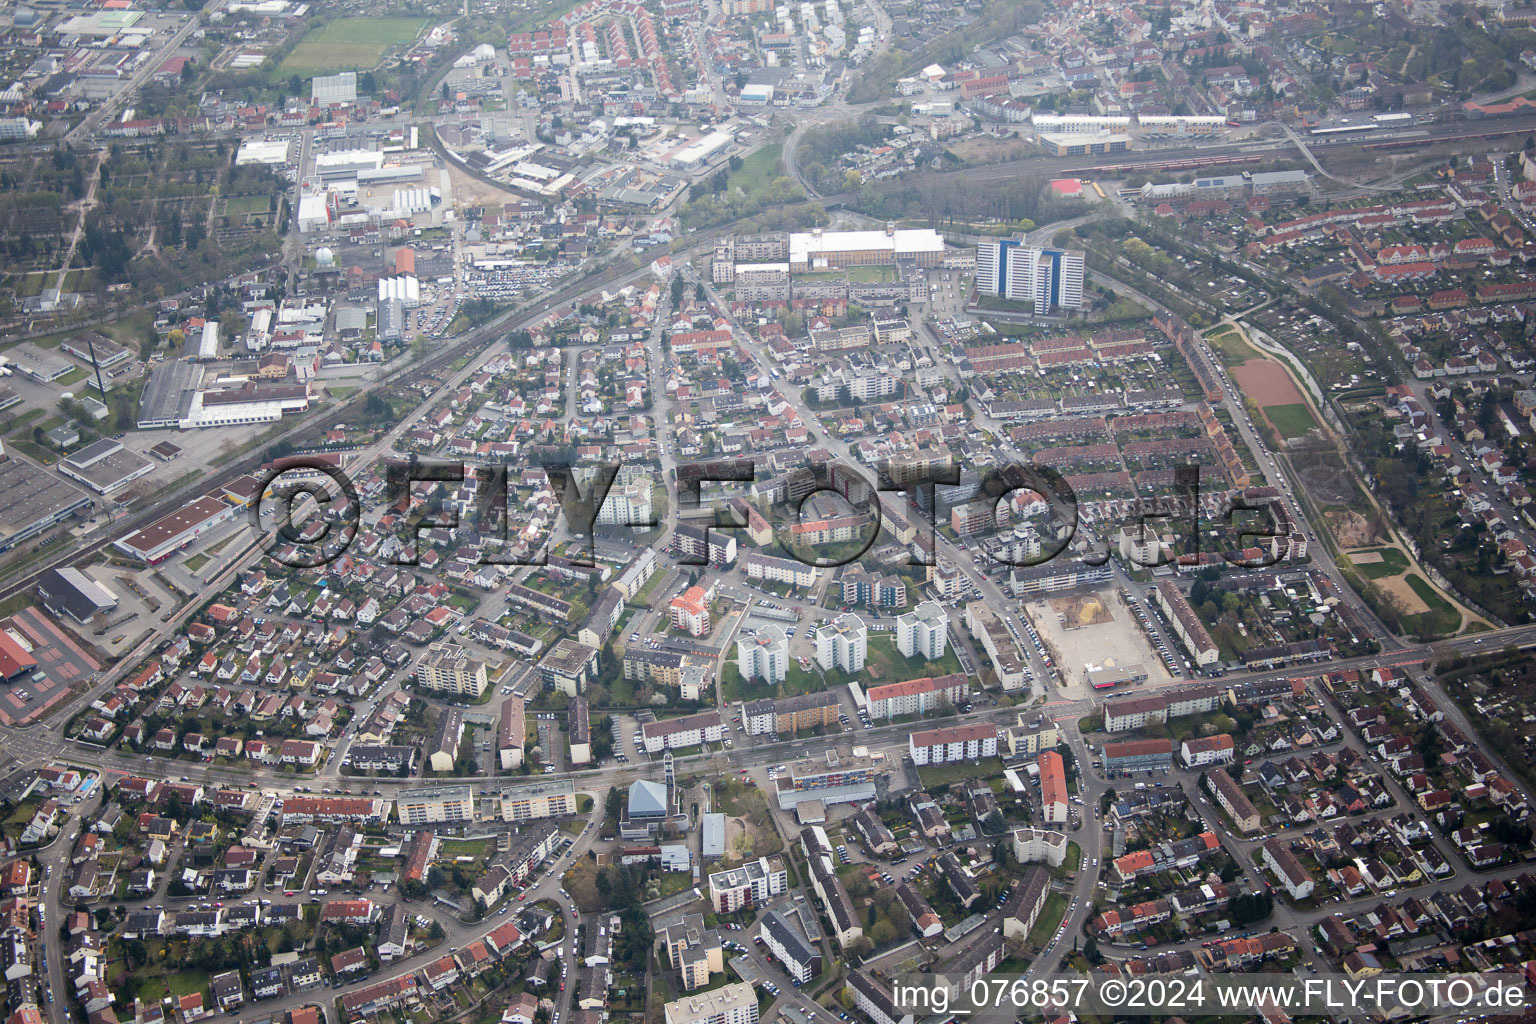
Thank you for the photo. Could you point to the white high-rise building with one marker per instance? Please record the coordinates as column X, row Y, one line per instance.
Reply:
column 843, row 644
column 629, row 505
column 735, row 1003
column 764, row 656
column 923, row 632
column 1049, row 278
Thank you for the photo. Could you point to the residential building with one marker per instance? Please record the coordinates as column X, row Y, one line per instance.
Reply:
column 1050, row 279
column 1053, row 787
column 842, row 644
column 791, row 714
column 1197, row 640
column 431, row 805
column 735, row 1003
column 443, row 750
column 1028, row 899
column 569, row 667
column 1288, row 868
column 958, row 743
column 448, row 668
column 546, row 798
column 749, row 885
column 687, row 731
column 690, row 612
column 795, row 953
column 915, row 696
column 1138, row 755
column 1203, row 750
column 1231, row 798
column 763, row 656
column 874, row 1001
column 923, row 632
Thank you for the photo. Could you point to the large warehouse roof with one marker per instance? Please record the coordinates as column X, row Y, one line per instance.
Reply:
column 806, row 245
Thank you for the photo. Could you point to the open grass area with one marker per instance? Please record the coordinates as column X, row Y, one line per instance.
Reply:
column 1441, row 617
column 1293, row 420
column 1049, row 919
column 178, row 983
column 1233, row 349
column 476, row 848
column 872, row 275
column 1392, row 563
column 758, row 170
column 34, row 451
column 796, row 681
column 347, row 44
column 196, row 562
column 74, row 376
column 958, row 771
column 886, row 664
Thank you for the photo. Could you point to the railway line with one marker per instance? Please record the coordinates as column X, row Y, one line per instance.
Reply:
column 1235, row 154
column 406, row 376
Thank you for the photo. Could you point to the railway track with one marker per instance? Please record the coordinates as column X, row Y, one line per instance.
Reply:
column 405, row 376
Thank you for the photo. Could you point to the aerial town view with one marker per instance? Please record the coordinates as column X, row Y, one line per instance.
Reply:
column 728, row 511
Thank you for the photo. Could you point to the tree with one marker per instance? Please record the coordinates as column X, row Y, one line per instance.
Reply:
column 677, row 290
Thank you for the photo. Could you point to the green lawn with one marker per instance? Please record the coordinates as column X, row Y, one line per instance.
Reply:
column 465, row 848
column 1049, row 919
column 875, row 274
column 234, row 206
column 1293, row 420
column 179, row 983
column 347, row 44
column 1233, row 349
column 796, row 681
column 1441, row 617
column 74, row 376
column 34, row 451
column 758, row 170
column 948, row 774
column 196, row 562
column 888, row 665
column 1392, row 563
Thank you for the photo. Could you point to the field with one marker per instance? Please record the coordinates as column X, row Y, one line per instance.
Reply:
column 1292, row 420
column 1379, row 564
column 1267, row 386
column 934, row 776
column 1440, row 619
column 1233, row 349
column 1049, row 920
column 758, row 170
column 1266, row 383
column 347, row 44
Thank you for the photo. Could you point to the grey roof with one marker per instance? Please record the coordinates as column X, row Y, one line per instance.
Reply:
column 796, row 946
column 75, row 592
column 647, row 800
column 714, row 835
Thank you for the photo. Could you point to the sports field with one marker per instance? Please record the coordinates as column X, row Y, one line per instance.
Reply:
column 1292, row 420
column 348, row 44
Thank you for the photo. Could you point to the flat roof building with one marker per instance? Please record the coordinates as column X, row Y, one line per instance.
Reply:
column 40, row 364
column 735, row 1003
column 34, row 501
column 105, row 465
column 430, row 805
column 158, row 540
column 168, row 394
column 828, row 250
